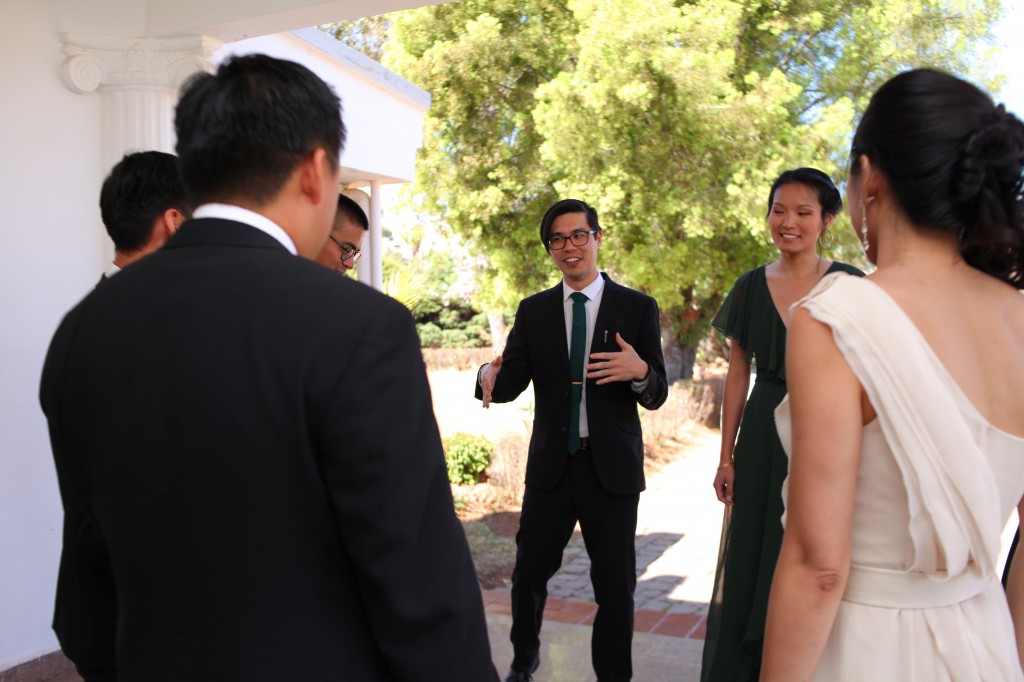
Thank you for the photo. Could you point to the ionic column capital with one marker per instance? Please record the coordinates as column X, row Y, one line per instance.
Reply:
column 101, row 62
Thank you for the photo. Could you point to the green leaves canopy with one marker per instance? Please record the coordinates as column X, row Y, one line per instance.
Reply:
column 671, row 118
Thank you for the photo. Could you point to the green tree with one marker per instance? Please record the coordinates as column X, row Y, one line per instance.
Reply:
column 366, row 35
column 700, row 105
column 672, row 118
column 480, row 167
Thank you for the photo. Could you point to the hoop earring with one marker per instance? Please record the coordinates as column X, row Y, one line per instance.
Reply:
column 768, row 238
column 822, row 241
column 864, row 226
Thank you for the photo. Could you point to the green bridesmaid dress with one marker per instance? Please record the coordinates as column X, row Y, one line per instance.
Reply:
column 751, row 529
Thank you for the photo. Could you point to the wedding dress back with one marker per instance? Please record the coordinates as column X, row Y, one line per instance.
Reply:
column 936, row 485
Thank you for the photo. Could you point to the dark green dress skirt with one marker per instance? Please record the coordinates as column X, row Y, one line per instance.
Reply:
column 752, row 528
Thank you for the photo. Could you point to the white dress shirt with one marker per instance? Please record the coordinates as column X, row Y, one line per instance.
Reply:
column 593, row 291
column 244, row 215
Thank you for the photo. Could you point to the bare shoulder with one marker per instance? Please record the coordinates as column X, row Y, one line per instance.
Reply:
column 809, row 342
column 804, row 327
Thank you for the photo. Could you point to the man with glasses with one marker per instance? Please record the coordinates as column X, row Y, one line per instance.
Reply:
column 592, row 349
column 341, row 250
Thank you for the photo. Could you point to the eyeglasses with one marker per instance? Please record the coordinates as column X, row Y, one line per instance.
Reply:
column 348, row 251
column 578, row 238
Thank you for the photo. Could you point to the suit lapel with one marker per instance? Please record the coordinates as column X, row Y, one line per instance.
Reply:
column 610, row 300
column 556, row 314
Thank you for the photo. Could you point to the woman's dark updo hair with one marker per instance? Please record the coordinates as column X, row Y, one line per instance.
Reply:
column 953, row 161
column 828, row 196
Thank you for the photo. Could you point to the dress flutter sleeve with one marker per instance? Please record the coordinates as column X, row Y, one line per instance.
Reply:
column 733, row 319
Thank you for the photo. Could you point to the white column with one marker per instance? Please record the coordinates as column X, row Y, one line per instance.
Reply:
column 138, row 83
column 364, row 266
column 376, row 248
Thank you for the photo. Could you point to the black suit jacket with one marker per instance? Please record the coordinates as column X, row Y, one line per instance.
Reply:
column 253, row 479
column 537, row 350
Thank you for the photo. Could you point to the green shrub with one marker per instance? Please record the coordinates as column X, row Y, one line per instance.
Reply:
column 458, row 338
column 462, row 326
column 431, row 335
column 467, row 457
column 450, row 317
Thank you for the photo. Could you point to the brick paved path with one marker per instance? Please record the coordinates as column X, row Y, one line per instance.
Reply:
column 678, row 529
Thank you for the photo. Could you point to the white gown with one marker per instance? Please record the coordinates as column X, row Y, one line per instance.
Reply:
column 935, row 488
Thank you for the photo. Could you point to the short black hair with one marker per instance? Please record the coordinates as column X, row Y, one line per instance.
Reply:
column 560, row 208
column 953, row 161
column 828, row 196
column 243, row 130
column 140, row 187
column 348, row 207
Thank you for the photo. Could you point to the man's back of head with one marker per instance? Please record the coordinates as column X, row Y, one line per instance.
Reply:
column 245, row 132
column 142, row 202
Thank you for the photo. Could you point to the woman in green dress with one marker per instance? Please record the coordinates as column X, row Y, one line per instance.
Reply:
column 802, row 205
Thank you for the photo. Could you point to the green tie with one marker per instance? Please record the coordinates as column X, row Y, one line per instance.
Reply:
column 577, row 349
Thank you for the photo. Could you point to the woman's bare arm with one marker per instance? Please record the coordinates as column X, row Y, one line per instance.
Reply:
column 734, row 399
column 826, row 406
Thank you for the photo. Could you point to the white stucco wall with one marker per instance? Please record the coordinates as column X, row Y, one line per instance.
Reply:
column 52, row 250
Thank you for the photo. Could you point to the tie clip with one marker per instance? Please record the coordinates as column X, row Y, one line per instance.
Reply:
column 577, row 383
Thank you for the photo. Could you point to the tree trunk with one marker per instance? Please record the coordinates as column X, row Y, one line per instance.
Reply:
column 679, row 359
column 496, row 320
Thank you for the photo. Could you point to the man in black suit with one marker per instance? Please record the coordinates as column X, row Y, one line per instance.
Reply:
column 586, row 453
column 142, row 203
column 254, row 485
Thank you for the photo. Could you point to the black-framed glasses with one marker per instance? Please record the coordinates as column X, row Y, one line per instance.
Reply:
column 578, row 238
column 349, row 251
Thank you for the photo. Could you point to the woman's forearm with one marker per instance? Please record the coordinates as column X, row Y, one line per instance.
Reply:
column 801, row 608
column 734, row 398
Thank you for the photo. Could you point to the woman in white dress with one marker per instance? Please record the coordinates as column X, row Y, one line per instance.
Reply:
column 905, row 417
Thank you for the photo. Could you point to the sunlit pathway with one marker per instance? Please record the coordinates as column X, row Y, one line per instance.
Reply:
column 677, row 546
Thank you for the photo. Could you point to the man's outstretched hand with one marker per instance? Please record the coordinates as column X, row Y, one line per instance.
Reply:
column 488, row 374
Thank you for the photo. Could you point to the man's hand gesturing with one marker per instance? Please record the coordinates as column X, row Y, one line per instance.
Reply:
column 488, row 374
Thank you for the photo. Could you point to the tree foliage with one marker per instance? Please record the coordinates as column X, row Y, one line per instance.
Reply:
column 481, row 167
column 366, row 35
column 672, row 118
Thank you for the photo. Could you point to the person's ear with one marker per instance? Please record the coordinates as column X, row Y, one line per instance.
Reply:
column 870, row 179
column 313, row 171
column 829, row 219
column 171, row 220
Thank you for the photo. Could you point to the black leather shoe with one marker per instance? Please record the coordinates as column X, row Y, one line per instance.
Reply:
column 522, row 675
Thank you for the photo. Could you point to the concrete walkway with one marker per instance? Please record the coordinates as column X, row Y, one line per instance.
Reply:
column 678, row 531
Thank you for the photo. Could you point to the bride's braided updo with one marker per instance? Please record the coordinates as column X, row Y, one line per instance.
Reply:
column 953, row 161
